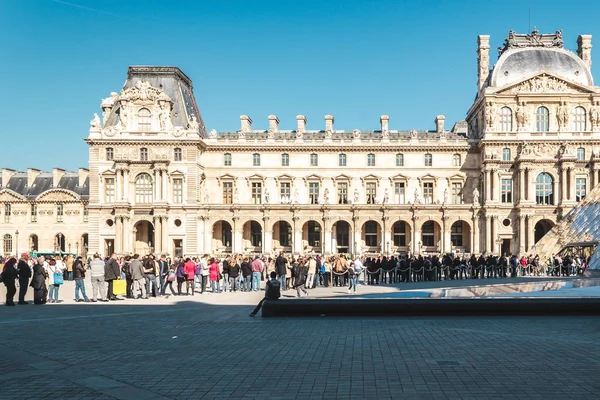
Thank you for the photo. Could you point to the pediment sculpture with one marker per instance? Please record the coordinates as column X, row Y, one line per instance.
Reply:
column 143, row 93
column 543, row 84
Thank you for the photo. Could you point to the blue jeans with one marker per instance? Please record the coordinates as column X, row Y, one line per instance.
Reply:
column 70, row 274
column 256, row 281
column 216, row 286
column 53, row 292
column 281, row 279
column 353, row 284
column 247, row 283
column 151, row 278
column 80, row 285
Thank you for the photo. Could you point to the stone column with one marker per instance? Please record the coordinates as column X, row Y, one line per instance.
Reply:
column 563, row 184
column 385, row 238
column 157, row 235
column 118, row 235
column 488, row 234
column 475, row 234
column 126, row 185
column 268, row 236
column 571, row 183
column 522, row 233
column 522, row 190
column 165, row 186
column 326, row 244
column 530, row 234
column 488, row 189
column 334, row 239
column 237, row 237
column 118, row 190
column 164, row 230
column 498, row 246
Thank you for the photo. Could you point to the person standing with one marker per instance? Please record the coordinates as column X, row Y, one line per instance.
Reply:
column 204, row 272
column 246, row 275
column 272, row 292
column 189, row 270
column 150, row 276
column 69, row 266
column 137, row 276
column 234, row 273
column 38, row 282
column 126, row 269
column 97, row 273
column 55, row 270
column 280, row 268
column 214, row 272
column 257, row 269
column 9, row 274
column 299, row 274
column 79, row 278
column 24, row 273
column 163, row 267
column 112, row 273
column 352, row 277
column 226, row 265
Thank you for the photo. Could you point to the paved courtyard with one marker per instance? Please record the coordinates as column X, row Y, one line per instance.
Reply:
column 206, row 347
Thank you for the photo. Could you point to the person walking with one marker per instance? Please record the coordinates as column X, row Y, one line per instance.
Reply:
column 97, row 274
column 9, row 274
column 55, row 278
column 24, row 272
column 79, row 278
column 272, row 292
column 352, row 277
column 38, row 283
column 170, row 278
column 137, row 276
column 299, row 274
column 281, row 269
column 112, row 272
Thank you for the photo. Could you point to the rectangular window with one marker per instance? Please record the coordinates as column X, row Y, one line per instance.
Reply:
column 400, row 192
column 256, row 192
column 285, row 160
column 581, row 154
column 109, row 190
column 86, row 213
column 178, row 190
column 7, row 212
column 342, row 189
column 143, row 154
column 285, row 234
column 456, row 234
column 313, row 192
column 177, row 154
column 342, row 160
column 34, row 213
column 314, row 160
column 457, row 197
column 506, row 155
column 59, row 212
column 370, row 160
column 109, row 154
column 285, row 191
column 428, row 192
column 227, row 192
column 256, row 159
column 371, row 192
column 227, row 159
column 580, row 189
column 506, row 190
column 400, row 234
column 428, row 160
column 399, row 160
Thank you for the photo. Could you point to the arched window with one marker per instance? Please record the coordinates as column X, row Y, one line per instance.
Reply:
column 581, row 154
column 428, row 160
column 506, row 156
column 399, row 160
column 579, row 119
column 542, row 119
column 456, row 160
column 227, row 159
column 177, row 155
column 143, row 188
column 544, row 189
column 59, row 242
column 8, row 244
column 143, row 154
column 505, row 119
column 109, row 154
column 144, row 120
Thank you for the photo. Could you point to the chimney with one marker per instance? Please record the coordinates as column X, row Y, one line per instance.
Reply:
column 246, row 123
column 329, row 123
column 584, row 49
column 83, row 175
column 6, row 175
column 439, row 123
column 301, row 123
column 273, row 124
column 483, row 59
column 32, row 173
column 385, row 122
column 57, row 173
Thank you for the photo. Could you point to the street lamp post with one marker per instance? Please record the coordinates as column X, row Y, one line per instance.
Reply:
column 17, row 242
column 77, row 247
column 69, row 247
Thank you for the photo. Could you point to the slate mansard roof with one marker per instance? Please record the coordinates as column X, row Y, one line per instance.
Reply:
column 44, row 182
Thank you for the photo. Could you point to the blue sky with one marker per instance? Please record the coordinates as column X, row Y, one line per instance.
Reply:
column 355, row 60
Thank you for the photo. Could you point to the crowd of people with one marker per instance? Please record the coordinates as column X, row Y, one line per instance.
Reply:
column 145, row 276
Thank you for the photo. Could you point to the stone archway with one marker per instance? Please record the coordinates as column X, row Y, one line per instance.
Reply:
column 401, row 237
column 460, row 237
column 312, row 238
column 144, row 237
column 222, row 238
column 371, row 239
column 431, row 238
column 542, row 227
column 283, row 236
column 341, row 237
column 252, row 235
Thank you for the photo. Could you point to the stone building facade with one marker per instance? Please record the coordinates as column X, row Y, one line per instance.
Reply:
column 527, row 152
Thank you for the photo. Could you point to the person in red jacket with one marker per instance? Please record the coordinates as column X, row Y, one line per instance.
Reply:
column 189, row 268
column 214, row 272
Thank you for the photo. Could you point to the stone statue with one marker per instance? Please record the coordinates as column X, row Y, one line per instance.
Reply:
column 164, row 116
column 385, row 134
column 95, row 122
column 123, row 116
column 595, row 115
column 356, row 196
column 212, row 134
column 267, row 196
column 328, row 134
column 413, row 133
column 490, row 114
column 296, row 196
column 558, row 40
column 522, row 115
column 236, row 196
column 356, row 134
column 193, row 123
column 326, row 196
column 445, row 195
column 299, row 134
column 417, row 199
column 563, row 115
column 475, row 196
column 386, row 196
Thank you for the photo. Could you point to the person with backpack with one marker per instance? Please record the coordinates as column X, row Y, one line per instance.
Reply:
column 79, row 277
column 272, row 292
column 169, row 279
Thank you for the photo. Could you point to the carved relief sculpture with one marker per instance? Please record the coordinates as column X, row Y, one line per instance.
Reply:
column 475, row 196
column 326, row 196
column 490, row 114
column 193, row 123
column 563, row 116
column 95, row 123
column 595, row 115
column 356, row 196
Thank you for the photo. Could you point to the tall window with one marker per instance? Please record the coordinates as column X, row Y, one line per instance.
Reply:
column 505, row 119
column 285, row 191
column 314, row 160
column 7, row 212
column 581, row 154
column 456, row 160
column 342, row 160
column 542, row 119
column 428, row 192
column 177, row 155
column 428, row 160
column 400, row 192
column 544, row 189
column 34, row 213
column 143, row 188
column 456, row 234
column 256, row 192
column 143, row 154
column 109, row 190
column 110, row 154
column 178, row 190
column 255, row 234
column 371, row 192
column 399, row 160
column 579, row 119
column 285, row 234
column 227, row 159
column 371, row 234
column 256, row 159
column 314, row 233
column 506, row 156
column 285, row 160
column 370, row 160
column 342, row 189
column 60, row 212
column 580, row 189
column 427, row 232
column 8, row 245
column 313, row 192
column 144, row 120
column 400, row 234
column 457, row 195
column 506, row 190
column 227, row 192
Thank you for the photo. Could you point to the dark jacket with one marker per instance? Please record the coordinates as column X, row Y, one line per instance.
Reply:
column 9, row 274
column 246, row 269
column 24, row 271
column 111, row 270
column 273, row 290
column 149, row 266
column 226, row 267
column 299, row 273
column 234, row 271
column 78, row 271
column 280, row 265
column 39, row 277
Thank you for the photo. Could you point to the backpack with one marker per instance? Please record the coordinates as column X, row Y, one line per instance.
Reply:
column 198, row 270
column 323, row 269
column 273, row 291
